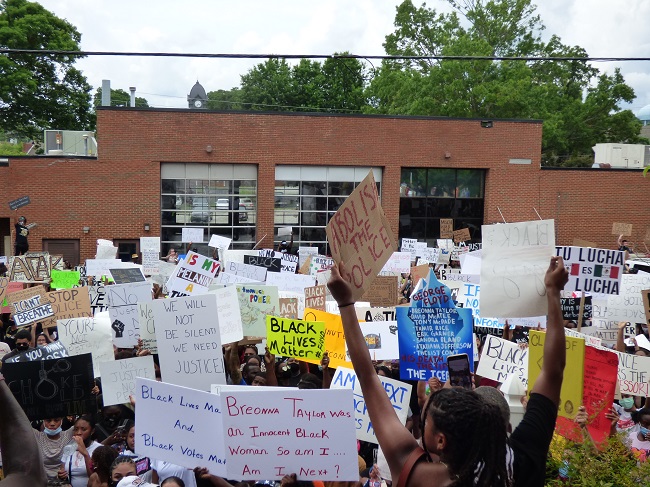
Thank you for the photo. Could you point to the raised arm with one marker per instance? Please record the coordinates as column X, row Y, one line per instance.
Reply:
column 21, row 456
column 620, row 337
column 395, row 440
column 550, row 378
column 232, row 357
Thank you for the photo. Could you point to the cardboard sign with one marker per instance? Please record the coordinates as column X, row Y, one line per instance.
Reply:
column 228, row 314
column 462, row 235
column 334, row 337
column 219, row 242
column 69, row 303
column 31, row 267
column 187, row 422
column 295, row 338
column 64, row 279
column 398, row 392
column 572, row 384
column 147, row 326
column 571, row 308
column 315, row 297
column 622, row 229
column 123, row 302
column 29, row 306
column 52, row 388
column 119, row 377
column 271, row 264
column 126, row 275
column 88, row 335
column 646, row 304
column 289, row 307
column 446, row 228
column 255, row 302
column 192, row 235
column 501, row 359
column 150, row 243
column 360, row 236
column 592, row 270
column 189, row 341
column 277, row 432
column 381, row 339
column 383, row 292
column 193, row 275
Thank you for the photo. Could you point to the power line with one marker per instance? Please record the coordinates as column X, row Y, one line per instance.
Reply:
column 385, row 57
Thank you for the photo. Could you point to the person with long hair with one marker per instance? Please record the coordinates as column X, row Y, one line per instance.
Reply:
column 465, row 434
column 77, row 469
column 102, row 458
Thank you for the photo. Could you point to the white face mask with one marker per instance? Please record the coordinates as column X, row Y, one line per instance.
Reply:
column 50, row 432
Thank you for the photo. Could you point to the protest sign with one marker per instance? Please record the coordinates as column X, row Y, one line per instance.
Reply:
column 645, row 299
column 634, row 374
column 219, row 242
column 319, row 263
column 189, row 341
column 101, row 267
column 521, row 234
column 255, row 302
column 461, row 235
column 31, row 267
column 419, row 272
column 252, row 272
column 225, row 278
column 334, row 337
column 11, row 288
column 19, row 203
column 315, row 297
column 626, row 306
column 69, row 303
column 382, row 292
column 304, row 253
column 583, row 243
column 52, row 350
column 192, row 235
column 431, row 255
column 192, row 275
column 285, row 231
column 181, row 426
column 381, row 339
column 88, row 335
column 150, row 262
column 446, row 228
column 150, row 243
column 119, row 377
column 147, row 327
column 289, row 307
column 408, row 246
column 52, row 388
column 295, row 283
column 591, row 341
column 97, row 295
column 375, row 314
column 571, row 308
column 4, row 285
column 30, row 305
column 105, row 249
column 420, row 248
column 501, row 359
column 127, row 274
column 398, row 392
column 64, row 279
column 271, row 264
column 398, row 263
column 592, row 270
column 572, row 384
column 123, row 302
column 622, row 229
column 273, row 433
column 360, row 236
column 295, row 338
column 228, row 315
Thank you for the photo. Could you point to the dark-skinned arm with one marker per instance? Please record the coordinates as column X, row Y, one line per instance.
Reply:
column 620, row 337
column 327, row 376
column 396, row 441
column 21, row 456
column 550, row 378
column 232, row 356
column 269, row 363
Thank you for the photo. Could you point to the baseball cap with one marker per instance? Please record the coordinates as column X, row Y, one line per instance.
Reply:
column 134, row 480
column 134, row 256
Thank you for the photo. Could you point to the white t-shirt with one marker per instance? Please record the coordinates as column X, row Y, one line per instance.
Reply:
column 625, row 422
column 165, row 470
column 640, row 448
column 76, row 467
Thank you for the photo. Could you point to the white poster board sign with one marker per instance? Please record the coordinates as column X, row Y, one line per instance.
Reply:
column 150, row 262
column 634, row 374
column 101, row 267
column 381, row 338
column 398, row 392
column 118, row 378
column 106, row 252
column 147, row 327
column 192, row 234
column 150, row 243
column 278, row 432
column 189, row 341
column 188, row 422
column 290, row 282
column 501, row 359
column 123, row 302
column 88, row 335
column 225, row 278
column 193, row 275
column 251, row 272
column 229, row 316
column 398, row 263
column 219, row 242
column 285, row 231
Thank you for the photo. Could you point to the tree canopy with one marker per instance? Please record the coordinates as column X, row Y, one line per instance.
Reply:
column 119, row 98
column 579, row 105
column 39, row 92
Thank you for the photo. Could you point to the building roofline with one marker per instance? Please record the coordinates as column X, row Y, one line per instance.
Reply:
column 592, row 169
column 52, row 156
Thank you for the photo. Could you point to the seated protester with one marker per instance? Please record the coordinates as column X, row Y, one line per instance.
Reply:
column 639, row 441
column 102, row 458
column 625, row 409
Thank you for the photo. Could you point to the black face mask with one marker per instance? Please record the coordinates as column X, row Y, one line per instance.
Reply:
column 22, row 347
column 285, row 372
column 294, row 367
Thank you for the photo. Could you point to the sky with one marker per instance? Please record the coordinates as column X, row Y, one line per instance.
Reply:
column 603, row 27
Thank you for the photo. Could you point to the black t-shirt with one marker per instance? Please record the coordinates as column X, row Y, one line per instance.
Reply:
column 21, row 234
column 531, row 439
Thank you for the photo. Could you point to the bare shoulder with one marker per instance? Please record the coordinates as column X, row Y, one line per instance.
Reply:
column 426, row 474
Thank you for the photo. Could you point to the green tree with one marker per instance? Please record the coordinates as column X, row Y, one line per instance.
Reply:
column 36, row 91
column 119, row 98
column 579, row 106
column 225, row 100
column 9, row 149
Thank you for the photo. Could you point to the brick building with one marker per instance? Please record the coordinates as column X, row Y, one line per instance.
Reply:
column 244, row 175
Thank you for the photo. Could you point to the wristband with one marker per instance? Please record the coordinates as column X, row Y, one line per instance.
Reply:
column 344, row 305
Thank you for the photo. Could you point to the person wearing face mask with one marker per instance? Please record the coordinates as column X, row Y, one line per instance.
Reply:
column 289, row 373
column 23, row 344
column 639, row 441
column 625, row 409
column 51, row 442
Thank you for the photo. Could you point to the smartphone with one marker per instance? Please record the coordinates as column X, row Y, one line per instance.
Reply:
column 459, row 372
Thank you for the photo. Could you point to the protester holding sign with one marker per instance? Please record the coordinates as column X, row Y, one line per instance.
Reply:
column 22, row 231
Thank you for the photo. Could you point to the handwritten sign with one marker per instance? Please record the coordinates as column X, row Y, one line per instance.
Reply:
column 193, row 275
column 315, row 297
column 627, row 305
column 334, row 337
column 645, row 299
column 592, row 270
column 97, row 295
column 118, row 378
column 572, row 384
column 399, row 263
column 461, row 235
column 192, row 235
column 31, row 267
column 375, row 314
column 382, row 292
column 319, row 263
column 360, row 236
column 46, row 352
column 181, row 426
column 304, row 253
column 189, row 341
column 228, row 315
column 52, row 388
column 102, row 267
column 64, row 279
column 69, row 303
column 219, row 242
column 150, row 243
column 123, row 302
column 271, row 264
column 252, row 272
column 295, row 338
column 30, row 306
column 501, row 359
column 446, row 228
column 127, row 274
column 634, row 374
column 255, row 302
column 622, row 229
column 571, row 308
column 150, row 263
column 88, row 335
column 147, row 327
column 273, row 433
column 398, row 392
column 290, row 282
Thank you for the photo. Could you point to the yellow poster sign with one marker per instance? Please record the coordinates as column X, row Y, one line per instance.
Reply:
column 334, row 337
column 295, row 338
